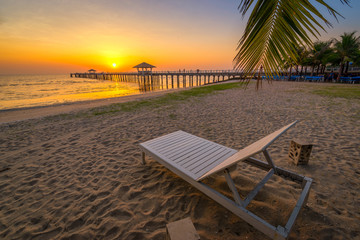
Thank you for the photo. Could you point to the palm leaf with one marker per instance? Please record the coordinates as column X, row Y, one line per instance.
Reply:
column 275, row 30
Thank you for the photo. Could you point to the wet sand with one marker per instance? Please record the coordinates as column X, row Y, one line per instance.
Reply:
column 79, row 176
column 12, row 115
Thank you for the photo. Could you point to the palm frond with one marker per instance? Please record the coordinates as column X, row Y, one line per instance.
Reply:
column 275, row 30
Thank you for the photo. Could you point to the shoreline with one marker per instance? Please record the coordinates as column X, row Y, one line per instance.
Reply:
column 20, row 114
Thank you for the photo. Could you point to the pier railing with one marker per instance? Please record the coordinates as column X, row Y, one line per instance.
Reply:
column 148, row 80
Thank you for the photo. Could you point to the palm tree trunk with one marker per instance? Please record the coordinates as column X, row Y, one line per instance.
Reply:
column 312, row 70
column 340, row 71
column 301, row 71
column 289, row 73
column 346, row 67
column 259, row 82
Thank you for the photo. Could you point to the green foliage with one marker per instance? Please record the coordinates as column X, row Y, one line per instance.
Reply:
column 347, row 50
column 347, row 47
column 321, row 52
column 172, row 116
column 275, row 30
column 352, row 92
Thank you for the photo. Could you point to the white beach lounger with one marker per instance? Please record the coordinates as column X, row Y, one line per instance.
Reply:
column 194, row 158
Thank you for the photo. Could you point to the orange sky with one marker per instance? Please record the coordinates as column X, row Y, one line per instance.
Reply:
column 42, row 37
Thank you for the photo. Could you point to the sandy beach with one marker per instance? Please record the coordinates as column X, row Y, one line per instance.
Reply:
column 79, row 175
column 14, row 115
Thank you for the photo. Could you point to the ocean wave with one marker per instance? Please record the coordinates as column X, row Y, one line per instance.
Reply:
column 29, row 91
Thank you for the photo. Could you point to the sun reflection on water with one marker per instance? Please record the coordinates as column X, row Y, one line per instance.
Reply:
column 41, row 90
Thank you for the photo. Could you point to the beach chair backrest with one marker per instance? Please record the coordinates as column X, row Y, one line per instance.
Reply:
column 248, row 151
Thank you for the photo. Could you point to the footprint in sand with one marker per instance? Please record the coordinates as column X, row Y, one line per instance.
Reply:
column 121, row 215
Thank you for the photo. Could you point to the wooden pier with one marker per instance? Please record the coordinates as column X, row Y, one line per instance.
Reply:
column 152, row 80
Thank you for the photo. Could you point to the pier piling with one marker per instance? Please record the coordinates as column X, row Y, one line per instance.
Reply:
column 160, row 79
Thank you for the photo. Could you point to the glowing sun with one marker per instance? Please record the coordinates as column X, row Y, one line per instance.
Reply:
column 114, row 64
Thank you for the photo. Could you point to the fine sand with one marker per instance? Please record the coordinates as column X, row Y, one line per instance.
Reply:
column 79, row 176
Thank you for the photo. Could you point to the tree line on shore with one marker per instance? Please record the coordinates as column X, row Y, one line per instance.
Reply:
column 332, row 53
column 277, row 30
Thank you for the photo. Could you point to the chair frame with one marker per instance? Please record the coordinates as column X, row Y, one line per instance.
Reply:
column 238, row 205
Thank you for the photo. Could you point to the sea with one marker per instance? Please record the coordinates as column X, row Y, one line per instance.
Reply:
column 26, row 91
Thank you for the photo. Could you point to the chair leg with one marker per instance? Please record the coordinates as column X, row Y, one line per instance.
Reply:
column 143, row 158
column 232, row 187
column 269, row 160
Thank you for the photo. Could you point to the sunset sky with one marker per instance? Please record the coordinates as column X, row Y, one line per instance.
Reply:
column 62, row 36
